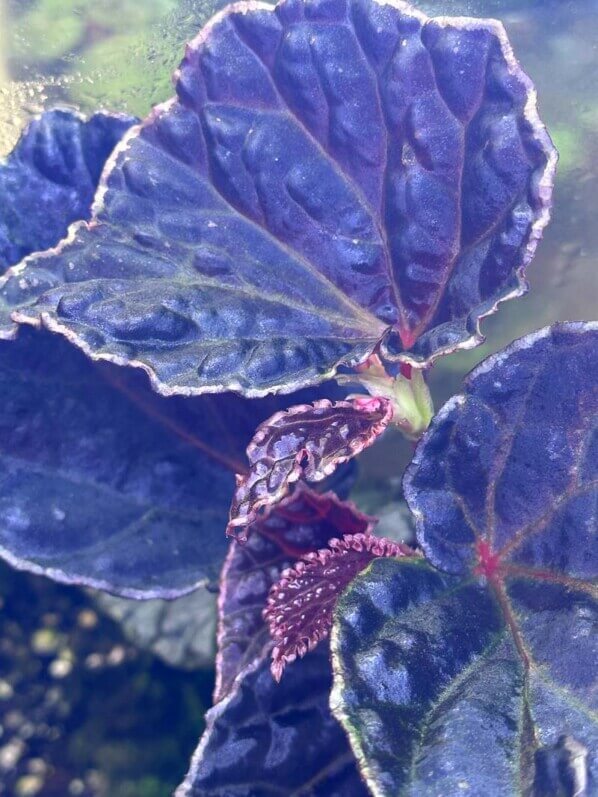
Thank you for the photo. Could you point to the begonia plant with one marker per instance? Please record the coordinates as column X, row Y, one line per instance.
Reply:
column 204, row 314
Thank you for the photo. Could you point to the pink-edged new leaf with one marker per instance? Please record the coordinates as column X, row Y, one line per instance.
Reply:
column 300, row 605
column 308, row 441
column 303, row 522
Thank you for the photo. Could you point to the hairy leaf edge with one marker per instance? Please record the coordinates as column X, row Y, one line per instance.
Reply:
column 300, row 487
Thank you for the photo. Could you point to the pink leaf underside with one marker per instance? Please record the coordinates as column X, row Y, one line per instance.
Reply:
column 300, row 605
column 309, row 442
column 303, row 522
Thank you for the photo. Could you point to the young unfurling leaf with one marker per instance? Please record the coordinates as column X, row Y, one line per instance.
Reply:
column 309, row 442
column 251, row 746
column 303, row 522
column 300, row 604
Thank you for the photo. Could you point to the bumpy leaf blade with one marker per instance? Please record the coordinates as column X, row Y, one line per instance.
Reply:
column 304, row 521
column 250, row 747
column 506, row 475
column 307, row 441
column 330, row 176
column 50, row 178
column 275, row 739
column 504, row 489
column 300, row 604
column 427, row 683
column 105, row 483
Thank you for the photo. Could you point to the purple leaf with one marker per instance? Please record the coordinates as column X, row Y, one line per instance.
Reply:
column 301, row 603
column 267, row 739
column 251, row 745
column 425, row 684
column 49, row 180
column 477, row 674
column 304, row 521
column 105, row 483
column 507, row 470
column 308, row 441
column 331, row 178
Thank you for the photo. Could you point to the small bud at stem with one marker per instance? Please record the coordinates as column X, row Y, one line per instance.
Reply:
column 408, row 394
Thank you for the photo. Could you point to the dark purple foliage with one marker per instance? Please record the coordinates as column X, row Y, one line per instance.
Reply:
column 307, row 441
column 105, row 483
column 331, row 177
column 304, row 521
column 262, row 738
column 486, row 676
column 300, row 604
column 275, row 740
column 50, row 178
column 510, row 466
column 336, row 183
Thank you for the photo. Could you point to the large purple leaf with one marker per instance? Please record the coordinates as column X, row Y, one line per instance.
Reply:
column 508, row 466
column 105, row 483
column 483, row 677
column 304, row 521
column 403, row 634
column 331, row 176
column 50, row 178
column 307, row 441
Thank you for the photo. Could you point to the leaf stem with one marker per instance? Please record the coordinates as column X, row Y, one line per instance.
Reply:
column 408, row 393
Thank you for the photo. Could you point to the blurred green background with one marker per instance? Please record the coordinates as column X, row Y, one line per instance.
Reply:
column 94, row 707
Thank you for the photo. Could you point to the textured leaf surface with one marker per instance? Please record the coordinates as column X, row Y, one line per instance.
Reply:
column 329, row 175
column 403, row 634
column 483, row 677
column 275, row 739
column 103, row 482
column 508, row 471
column 304, row 521
column 307, row 441
column 300, row 604
column 50, row 178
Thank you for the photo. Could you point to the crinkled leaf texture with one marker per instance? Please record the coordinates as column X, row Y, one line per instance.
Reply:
column 262, row 738
column 301, row 603
column 302, row 522
column 480, row 676
column 275, row 740
column 308, row 441
column 50, row 178
column 105, row 483
column 331, row 176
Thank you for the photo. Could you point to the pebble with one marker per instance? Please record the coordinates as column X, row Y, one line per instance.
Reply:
column 29, row 785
